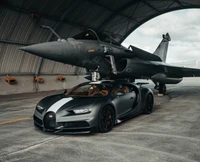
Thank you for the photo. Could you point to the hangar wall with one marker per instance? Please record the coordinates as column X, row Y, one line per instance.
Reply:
column 18, row 29
column 26, row 84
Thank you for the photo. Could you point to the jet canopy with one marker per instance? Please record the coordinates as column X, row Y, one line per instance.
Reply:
column 92, row 35
column 86, row 35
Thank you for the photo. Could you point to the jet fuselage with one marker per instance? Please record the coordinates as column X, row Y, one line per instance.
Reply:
column 91, row 54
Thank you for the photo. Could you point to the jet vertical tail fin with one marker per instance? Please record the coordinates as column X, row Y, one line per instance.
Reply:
column 161, row 50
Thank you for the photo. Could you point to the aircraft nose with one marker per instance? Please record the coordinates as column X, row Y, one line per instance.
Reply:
column 56, row 51
column 44, row 49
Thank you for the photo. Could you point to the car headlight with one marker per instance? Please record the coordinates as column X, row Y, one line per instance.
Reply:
column 40, row 108
column 82, row 111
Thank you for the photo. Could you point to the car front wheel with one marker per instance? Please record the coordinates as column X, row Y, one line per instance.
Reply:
column 106, row 119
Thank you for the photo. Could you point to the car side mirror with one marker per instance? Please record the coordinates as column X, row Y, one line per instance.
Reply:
column 120, row 94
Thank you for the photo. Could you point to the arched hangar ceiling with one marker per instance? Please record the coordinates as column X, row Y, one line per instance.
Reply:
column 20, row 22
column 117, row 17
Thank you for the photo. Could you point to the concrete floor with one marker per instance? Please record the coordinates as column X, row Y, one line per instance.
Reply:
column 170, row 134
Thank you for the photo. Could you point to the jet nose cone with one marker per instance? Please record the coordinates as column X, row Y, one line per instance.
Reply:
column 30, row 49
column 40, row 49
column 49, row 50
column 23, row 48
column 65, row 52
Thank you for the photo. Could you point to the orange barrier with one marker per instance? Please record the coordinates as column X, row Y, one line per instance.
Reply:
column 61, row 78
column 11, row 80
column 39, row 80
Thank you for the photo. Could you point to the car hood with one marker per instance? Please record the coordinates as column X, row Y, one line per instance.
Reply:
column 59, row 103
column 77, row 103
column 49, row 101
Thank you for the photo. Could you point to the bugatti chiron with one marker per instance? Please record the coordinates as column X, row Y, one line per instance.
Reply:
column 93, row 107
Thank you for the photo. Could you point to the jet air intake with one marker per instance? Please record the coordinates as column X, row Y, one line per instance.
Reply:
column 135, row 67
column 121, row 65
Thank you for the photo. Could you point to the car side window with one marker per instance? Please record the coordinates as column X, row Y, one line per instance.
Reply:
column 116, row 89
column 121, row 88
column 133, row 89
column 126, row 88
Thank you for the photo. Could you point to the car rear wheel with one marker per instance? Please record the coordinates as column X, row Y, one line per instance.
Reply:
column 149, row 104
column 106, row 119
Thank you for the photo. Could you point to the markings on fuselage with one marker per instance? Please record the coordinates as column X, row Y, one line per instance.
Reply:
column 91, row 50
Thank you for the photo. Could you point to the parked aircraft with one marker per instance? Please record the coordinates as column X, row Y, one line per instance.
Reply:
column 102, row 53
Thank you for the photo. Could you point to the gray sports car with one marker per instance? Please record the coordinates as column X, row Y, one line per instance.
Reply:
column 93, row 107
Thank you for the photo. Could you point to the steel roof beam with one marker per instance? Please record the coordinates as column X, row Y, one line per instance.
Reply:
column 56, row 20
column 177, row 1
column 44, row 16
column 116, row 13
column 152, row 7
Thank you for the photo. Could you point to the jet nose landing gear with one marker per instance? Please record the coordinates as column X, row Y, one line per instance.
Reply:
column 96, row 75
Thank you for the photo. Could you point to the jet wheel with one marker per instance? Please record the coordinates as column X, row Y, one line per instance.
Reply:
column 106, row 119
column 164, row 89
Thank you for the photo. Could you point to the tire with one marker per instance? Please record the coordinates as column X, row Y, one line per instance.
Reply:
column 106, row 119
column 149, row 104
column 164, row 89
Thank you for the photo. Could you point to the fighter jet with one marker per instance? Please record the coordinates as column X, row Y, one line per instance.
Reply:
column 102, row 53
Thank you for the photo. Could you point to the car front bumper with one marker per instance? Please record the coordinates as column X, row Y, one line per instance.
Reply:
column 76, row 124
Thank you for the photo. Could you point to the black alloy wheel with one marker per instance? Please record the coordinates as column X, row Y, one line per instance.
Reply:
column 106, row 119
column 148, row 104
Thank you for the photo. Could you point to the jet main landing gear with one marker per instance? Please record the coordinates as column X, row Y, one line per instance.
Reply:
column 161, row 88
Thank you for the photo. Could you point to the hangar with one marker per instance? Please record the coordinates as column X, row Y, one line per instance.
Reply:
column 20, row 25
column 170, row 134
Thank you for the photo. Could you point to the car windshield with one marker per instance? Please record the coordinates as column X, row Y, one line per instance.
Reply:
column 90, row 90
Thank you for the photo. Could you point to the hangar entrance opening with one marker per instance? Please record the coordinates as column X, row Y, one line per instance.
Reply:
column 184, row 29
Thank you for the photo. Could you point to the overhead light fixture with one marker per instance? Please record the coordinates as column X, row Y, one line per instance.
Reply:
column 34, row 16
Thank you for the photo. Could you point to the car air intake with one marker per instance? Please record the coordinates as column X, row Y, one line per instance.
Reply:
column 50, row 121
